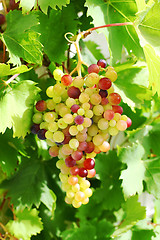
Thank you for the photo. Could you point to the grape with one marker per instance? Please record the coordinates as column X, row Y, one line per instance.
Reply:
column 41, row 134
column 73, row 130
column 95, row 99
column 93, row 68
column 49, row 135
column 62, row 124
column 93, row 130
column 81, row 111
column 103, row 124
column 104, row 101
column 105, row 147
column 81, row 137
column 75, row 108
column 104, row 83
column 88, row 192
column 82, row 146
column 50, row 91
column 77, row 155
column 129, row 122
column 13, row 5
column 91, row 173
column 83, row 172
column 76, row 187
column 66, row 131
column 37, row 118
column 73, row 92
column 117, row 109
column 84, row 97
column 70, row 102
column 72, row 180
column 79, row 196
column 58, row 136
column 74, row 143
column 90, row 147
column 57, row 73
column 68, row 118
column 35, row 128
column 78, row 82
column 53, row 151
column 89, row 163
column 121, row 125
column 108, row 114
column 66, row 80
column 76, row 204
column 98, row 110
column 113, row 131
column 74, row 170
column 53, row 126
column 103, row 93
column 79, row 119
column 50, row 104
column 112, row 75
column 70, row 162
column 98, row 140
column 102, row 63
column 114, row 98
column 2, row 19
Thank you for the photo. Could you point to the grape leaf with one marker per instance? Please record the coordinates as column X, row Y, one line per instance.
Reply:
column 57, row 20
column 16, row 107
column 133, row 176
column 141, row 4
column 44, row 4
column 131, row 218
column 128, row 85
column 152, row 176
column 5, row 69
column 21, row 41
column 27, row 5
column 29, row 186
column 116, row 11
column 26, row 224
column 143, row 234
column 111, row 185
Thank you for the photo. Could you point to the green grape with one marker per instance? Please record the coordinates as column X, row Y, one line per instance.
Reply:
column 37, row 118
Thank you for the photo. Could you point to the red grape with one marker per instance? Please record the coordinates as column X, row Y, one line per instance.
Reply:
column 89, row 163
column 117, row 109
column 74, row 170
column 93, row 68
column 102, row 63
column 41, row 105
column 79, row 119
column 2, row 19
column 66, row 140
column 90, row 147
column 114, row 98
column 66, row 131
column 13, row 5
column 104, row 83
column 74, row 92
column 66, row 80
column 75, row 108
column 129, row 122
column 104, row 101
column 70, row 162
column 83, row 172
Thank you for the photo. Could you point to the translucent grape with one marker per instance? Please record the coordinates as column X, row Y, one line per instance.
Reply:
column 93, row 68
column 66, row 80
column 102, row 63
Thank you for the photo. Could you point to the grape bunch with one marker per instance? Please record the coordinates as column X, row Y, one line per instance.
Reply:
column 77, row 119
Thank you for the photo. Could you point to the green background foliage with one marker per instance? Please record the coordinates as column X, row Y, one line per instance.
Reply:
column 32, row 203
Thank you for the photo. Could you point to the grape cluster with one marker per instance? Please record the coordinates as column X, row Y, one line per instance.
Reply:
column 76, row 121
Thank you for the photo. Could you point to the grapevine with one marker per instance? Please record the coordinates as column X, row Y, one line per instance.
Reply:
column 77, row 120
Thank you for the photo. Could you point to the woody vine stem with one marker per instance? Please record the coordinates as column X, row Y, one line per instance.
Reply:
column 83, row 35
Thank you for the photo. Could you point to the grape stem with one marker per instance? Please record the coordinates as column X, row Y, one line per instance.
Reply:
column 83, row 35
column 11, row 79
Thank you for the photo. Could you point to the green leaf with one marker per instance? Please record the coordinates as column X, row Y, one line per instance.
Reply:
column 21, row 41
column 110, row 194
column 143, row 234
column 153, row 61
column 112, row 12
column 29, row 186
column 131, row 85
column 27, row 224
column 27, row 5
column 133, row 176
column 44, row 4
column 5, row 70
column 141, row 4
column 16, row 107
column 133, row 213
column 64, row 20
column 152, row 176
column 9, row 152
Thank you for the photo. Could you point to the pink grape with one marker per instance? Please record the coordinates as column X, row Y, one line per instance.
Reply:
column 66, row 131
column 89, row 163
column 102, row 63
column 73, row 92
column 74, row 171
column 79, row 119
column 70, row 162
column 91, row 173
column 83, row 172
column 93, row 68
column 104, row 83
column 53, row 151
column 77, row 155
column 75, row 108
column 109, row 114
column 66, row 80
column 117, row 109
column 41, row 105
column 82, row 146
column 114, row 98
